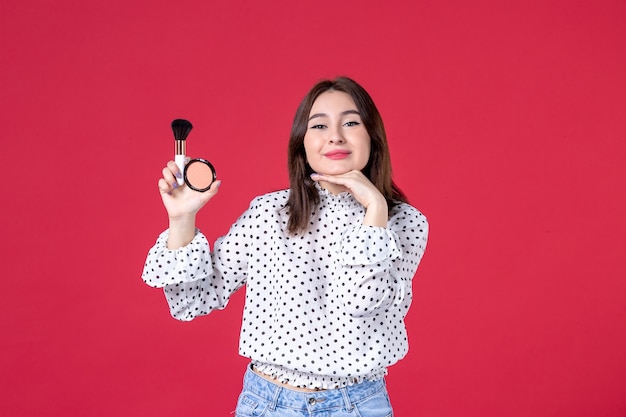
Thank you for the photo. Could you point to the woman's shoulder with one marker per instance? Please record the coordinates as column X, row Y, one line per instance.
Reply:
column 403, row 210
column 265, row 206
column 272, row 200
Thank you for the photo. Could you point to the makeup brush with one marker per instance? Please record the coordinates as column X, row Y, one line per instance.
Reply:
column 181, row 129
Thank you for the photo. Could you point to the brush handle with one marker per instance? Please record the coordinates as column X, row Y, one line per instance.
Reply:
column 180, row 162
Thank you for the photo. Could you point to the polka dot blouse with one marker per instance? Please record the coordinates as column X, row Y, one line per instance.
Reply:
column 324, row 308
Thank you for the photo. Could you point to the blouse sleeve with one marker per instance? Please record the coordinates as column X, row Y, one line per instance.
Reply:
column 196, row 280
column 379, row 263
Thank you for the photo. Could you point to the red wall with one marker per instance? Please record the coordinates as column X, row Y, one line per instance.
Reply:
column 507, row 129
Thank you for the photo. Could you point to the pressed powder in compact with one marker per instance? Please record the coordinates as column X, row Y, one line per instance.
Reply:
column 199, row 174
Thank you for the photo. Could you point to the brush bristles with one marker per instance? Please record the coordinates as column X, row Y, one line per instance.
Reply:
column 181, row 128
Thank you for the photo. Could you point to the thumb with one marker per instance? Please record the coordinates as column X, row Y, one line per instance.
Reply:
column 211, row 192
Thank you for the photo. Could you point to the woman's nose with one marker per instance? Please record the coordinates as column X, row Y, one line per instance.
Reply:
column 335, row 136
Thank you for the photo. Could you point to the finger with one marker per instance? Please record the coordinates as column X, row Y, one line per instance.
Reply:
column 164, row 187
column 335, row 179
column 168, row 177
column 210, row 193
column 317, row 177
column 173, row 167
column 214, row 188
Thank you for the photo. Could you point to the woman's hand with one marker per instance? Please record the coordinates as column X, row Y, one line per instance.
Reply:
column 366, row 193
column 182, row 204
column 179, row 200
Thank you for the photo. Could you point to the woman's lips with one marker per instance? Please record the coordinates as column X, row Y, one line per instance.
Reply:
column 337, row 154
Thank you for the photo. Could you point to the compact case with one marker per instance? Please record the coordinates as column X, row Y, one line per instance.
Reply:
column 199, row 174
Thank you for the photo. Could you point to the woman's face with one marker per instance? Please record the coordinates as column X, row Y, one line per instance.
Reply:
column 336, row 140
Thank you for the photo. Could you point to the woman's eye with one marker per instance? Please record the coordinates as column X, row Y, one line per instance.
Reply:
column 317, row 127
column 352, row 124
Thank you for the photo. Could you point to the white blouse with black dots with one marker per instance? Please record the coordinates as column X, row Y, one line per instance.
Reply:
column 324, row 308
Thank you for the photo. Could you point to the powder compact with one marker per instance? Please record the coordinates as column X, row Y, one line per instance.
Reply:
column 199, row 174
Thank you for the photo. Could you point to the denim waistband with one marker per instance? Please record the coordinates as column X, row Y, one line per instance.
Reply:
column 278, row 396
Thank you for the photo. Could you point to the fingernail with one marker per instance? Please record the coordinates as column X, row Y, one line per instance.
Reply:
column 178, row 174
column 175, row 185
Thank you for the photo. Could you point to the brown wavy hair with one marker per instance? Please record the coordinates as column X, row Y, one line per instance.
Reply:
column 303, row 196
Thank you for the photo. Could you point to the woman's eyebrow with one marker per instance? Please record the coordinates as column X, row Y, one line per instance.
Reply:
column 343, row 113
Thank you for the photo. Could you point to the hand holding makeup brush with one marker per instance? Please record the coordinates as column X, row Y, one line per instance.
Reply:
column 182, row 203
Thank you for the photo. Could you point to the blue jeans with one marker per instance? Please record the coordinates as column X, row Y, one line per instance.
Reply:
column 262, row 398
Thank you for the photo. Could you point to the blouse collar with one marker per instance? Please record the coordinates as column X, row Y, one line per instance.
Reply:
column 341, row 201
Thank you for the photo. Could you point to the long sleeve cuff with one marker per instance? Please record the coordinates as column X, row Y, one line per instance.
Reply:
column 187, row 264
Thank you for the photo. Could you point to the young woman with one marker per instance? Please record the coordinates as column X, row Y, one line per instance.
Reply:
column 327, row 264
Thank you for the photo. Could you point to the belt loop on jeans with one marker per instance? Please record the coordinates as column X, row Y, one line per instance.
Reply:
column 275, row 398
column 346, row 399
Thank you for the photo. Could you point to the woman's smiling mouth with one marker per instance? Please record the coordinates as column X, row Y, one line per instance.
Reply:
column 339, row 154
